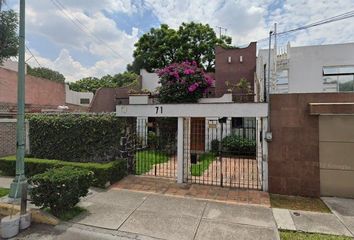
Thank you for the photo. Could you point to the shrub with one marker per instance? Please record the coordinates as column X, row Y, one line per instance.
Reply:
column 75, row 137
column 215, row 146
column 237, row 145
column 152, row 140
column 103, row 172
column 60, row 189
column 183, row 83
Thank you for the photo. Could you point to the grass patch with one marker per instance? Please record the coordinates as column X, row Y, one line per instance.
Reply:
column 290, row 235
column 145, row 160
column 4, row 192
column 203, row 164
column 298, row 203
column 70, row 213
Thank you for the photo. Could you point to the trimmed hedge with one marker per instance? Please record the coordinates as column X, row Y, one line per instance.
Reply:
column 103, row 172
column 75, row 137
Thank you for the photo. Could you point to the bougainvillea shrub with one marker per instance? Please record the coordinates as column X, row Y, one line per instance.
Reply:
column 183, row 83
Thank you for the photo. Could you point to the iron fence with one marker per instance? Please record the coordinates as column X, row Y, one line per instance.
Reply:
column 155, row 147
column 220, row 152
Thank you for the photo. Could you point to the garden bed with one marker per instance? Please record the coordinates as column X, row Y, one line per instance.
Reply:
column 4, row 192
column 298, row 203
column 103, row 172
column 291, row 235
column 145, row 160
column 205, row 160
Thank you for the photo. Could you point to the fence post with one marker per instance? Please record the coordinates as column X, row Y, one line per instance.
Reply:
column 180, row 167
column 265, row 155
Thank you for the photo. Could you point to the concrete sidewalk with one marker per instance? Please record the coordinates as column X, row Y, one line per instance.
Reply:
column 174, row 218
column 341, row 222
column 5, row 181
column 343, row 209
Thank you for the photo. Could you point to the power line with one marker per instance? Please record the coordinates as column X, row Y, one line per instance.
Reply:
column 324, row 21
column 318, row 23
column 82, row 27
column 34, row 57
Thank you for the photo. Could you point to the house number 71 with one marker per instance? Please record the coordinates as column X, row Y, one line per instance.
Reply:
column 158, row 110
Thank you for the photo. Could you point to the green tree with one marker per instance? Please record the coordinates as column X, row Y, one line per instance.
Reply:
column 8, row 34
column 91, row 84
column 87, row 84
column 46, row 73
column 163, row 46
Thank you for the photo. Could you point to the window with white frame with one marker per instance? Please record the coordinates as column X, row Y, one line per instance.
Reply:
column 338, row 78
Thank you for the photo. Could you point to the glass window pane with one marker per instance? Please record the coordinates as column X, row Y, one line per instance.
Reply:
column 346, row 83
column 330, row 83
column 338, row 70
column 346, row 70
column 330, row 70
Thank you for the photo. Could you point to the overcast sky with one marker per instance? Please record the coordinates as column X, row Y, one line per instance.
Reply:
column 74, row 50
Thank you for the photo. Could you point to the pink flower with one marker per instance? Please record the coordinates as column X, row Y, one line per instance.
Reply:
column 209, row 80
column 188, row 71
column 193, row 87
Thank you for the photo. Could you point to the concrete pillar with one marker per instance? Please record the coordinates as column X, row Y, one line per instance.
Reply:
column 265, row 154
column 186, row 148
column 180, row 145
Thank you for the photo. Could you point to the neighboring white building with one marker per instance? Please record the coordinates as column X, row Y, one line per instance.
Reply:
column 77, row 98
column 309, row 69
column 150, row 81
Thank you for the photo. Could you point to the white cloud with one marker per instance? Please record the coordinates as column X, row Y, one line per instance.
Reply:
column 243, row 19
column 298, row 13
column 246, row 21
column 74, row 70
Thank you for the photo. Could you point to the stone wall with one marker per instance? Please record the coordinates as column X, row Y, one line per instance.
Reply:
column 8, row 137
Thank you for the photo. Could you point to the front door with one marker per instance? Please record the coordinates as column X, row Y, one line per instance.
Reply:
column 197, row 143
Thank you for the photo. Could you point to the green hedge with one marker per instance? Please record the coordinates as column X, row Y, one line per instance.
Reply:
column 237, row 145
column 75, row 137
column 103, row 172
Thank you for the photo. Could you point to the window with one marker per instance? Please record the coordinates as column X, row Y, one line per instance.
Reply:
column 237, row 122
column 84, row 101
column 338, row 79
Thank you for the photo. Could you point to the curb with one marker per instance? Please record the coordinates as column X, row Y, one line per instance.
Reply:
column 38, row 216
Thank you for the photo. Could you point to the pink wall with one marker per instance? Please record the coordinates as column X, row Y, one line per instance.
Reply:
column 39, row 91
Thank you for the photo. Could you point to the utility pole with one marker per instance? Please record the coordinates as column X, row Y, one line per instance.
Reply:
column 275, row 53
column 20, row 181
column 268, row 133
column 269, row 65
column 220, row 30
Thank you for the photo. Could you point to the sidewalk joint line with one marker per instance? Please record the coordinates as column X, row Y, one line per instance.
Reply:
column 200, row 220
column 133, row 211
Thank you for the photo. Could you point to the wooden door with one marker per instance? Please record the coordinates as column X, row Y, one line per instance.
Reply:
column 197, row 139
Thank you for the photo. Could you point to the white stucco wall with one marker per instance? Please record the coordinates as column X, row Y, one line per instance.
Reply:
column 306, row 64
column 150, row 81
column 73, row 97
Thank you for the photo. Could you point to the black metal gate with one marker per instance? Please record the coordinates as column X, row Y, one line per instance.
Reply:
column 223, row 152
column 155, row 147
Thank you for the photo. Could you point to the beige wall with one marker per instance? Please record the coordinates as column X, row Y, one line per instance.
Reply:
column 336, row 149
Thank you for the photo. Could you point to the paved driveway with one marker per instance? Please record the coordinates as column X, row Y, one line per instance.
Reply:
column 165, row 217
